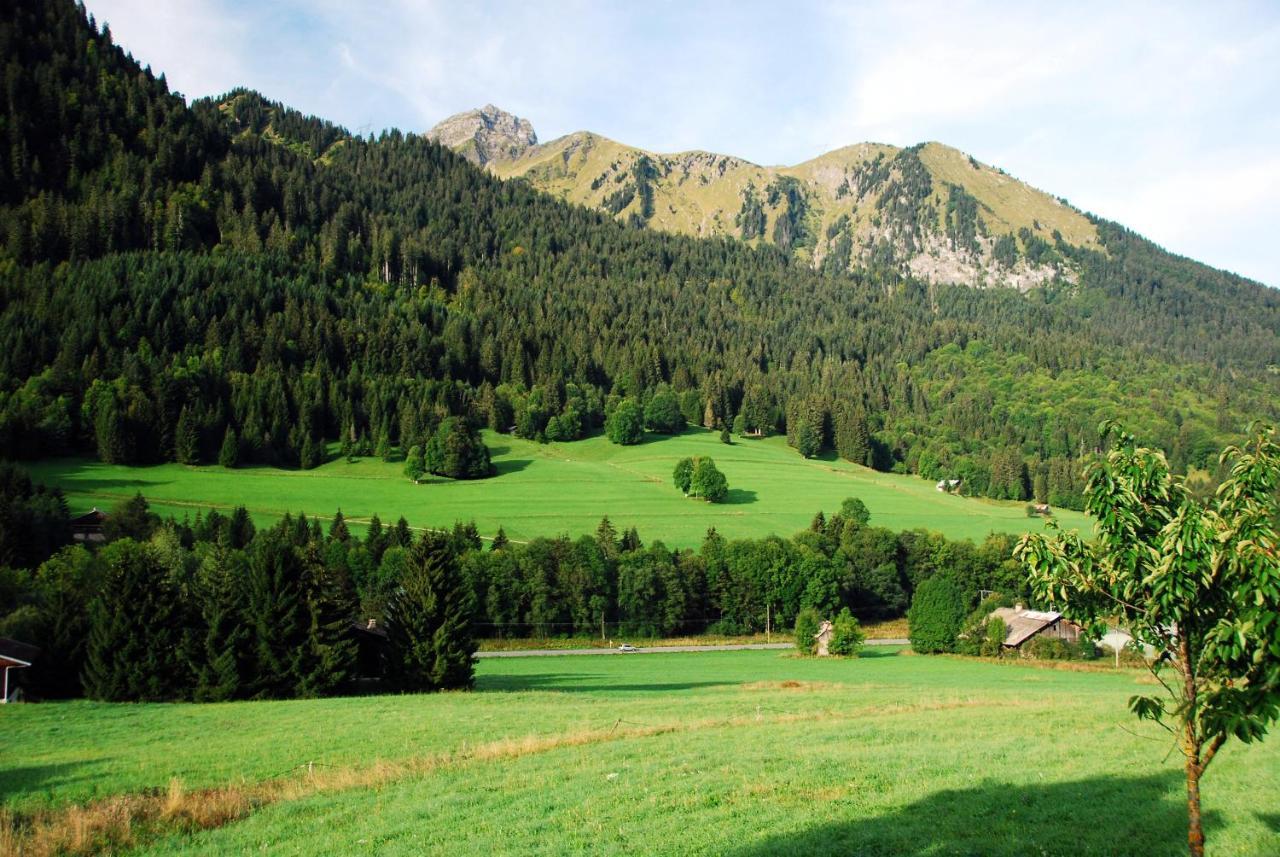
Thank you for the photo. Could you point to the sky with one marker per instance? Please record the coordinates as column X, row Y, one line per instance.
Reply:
column 1163, row 116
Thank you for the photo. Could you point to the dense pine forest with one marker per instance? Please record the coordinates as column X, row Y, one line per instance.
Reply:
column 229, row 280
column 212, row 608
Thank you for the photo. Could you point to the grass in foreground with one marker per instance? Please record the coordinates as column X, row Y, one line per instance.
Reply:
column 746, row 753
column 557, row 488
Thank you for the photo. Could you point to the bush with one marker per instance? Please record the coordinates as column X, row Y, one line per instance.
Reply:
column 1049, row 649
column 455, row 450
column 936, row 615
column 625, row 425
column 807, row 623
column 662, row 414
column 846, row 635
column 707, row 481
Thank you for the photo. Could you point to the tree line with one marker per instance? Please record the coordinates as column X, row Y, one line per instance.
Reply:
column 214, row 608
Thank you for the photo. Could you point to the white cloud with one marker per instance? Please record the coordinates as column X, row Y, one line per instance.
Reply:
column 196, row 44
column 1159, row 114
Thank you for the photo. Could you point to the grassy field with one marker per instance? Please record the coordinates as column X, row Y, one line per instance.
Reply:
column 559, row 488
column 741, row 753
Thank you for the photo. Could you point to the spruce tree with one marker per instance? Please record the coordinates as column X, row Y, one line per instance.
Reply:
column 222, row 650
column 240, row 528
column 186, row 439
column 135, row 629
column 328, row 662
column 338, row 528
column 607, row 538
column 429, row 615
column 500, row 540
column 276, row 612
column 229, row 454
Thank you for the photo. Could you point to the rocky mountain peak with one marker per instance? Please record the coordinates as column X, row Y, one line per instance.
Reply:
column 486, row 134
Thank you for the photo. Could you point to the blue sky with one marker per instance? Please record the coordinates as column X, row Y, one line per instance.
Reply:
column 1162, row 116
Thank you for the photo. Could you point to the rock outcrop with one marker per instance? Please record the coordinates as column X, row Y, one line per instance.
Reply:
column 485, row 135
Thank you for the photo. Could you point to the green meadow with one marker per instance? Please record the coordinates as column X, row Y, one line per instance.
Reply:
column 562, row 488
column 738, row 753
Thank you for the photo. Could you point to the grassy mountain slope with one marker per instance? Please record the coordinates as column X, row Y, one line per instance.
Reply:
column 932, row 210
column 556, row 488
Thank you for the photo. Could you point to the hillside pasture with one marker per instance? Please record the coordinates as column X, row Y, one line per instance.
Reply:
column 562, row 488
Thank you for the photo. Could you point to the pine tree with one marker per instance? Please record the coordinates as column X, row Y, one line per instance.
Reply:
column 222, row 647
column 429, row 635
column 338, row 528
column 229, row 454
column 135, row 629
column 500, row 540
column 240, row 528
column 631, row 541
column 607, row 538
column 329, row 659
column 276, row 612
column 186, row 439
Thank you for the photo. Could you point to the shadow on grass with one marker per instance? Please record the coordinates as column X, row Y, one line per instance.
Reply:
column 1102, row 815
column 513, row 465
column 738, row 497
column 17, row 783
column 585, row 683
column 1271, row 820
column 110, row 486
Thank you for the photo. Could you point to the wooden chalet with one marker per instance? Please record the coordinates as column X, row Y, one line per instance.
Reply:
column 1025, row 624
column 14, row 656
column 88, row 527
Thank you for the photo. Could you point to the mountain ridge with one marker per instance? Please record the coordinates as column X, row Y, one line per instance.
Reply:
column 930, row 210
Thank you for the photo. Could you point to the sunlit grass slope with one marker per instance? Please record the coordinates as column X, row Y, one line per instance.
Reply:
column 742, row 753
column 557, row 488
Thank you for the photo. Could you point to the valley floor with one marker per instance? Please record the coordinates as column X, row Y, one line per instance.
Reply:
column 742, row 753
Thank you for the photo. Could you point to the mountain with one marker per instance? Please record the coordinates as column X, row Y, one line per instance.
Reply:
column 930, row 210
column 485, row 135
column 181, row 280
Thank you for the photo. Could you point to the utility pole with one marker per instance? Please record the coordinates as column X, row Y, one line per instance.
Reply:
column 768, row 623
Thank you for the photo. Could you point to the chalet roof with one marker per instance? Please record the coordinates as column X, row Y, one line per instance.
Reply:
column 13, row 653
column 90, row 518
column 1024, row 624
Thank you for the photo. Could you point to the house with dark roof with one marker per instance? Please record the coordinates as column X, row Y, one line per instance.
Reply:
column 1026, row 624
column 14, row 656
column 88, row 527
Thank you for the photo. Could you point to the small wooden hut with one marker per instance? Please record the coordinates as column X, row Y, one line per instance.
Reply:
column 823, row 638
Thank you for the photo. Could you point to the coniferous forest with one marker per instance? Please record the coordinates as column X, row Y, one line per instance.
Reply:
column 232, row 279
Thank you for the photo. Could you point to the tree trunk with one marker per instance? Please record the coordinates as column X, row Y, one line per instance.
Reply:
column 1192, row 745
column 1195, row 832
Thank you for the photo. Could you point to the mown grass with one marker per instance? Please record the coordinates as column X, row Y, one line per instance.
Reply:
column 562, row 488
column 744, row 753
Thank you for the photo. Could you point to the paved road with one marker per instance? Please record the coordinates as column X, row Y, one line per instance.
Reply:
column 652, row 650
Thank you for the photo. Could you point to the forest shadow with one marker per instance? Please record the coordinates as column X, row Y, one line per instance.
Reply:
column 584, row 683
column 1102, row 815
column 738, row 497
column 108, row 486
column 33, row 779
column 496, row 450
column 511, row 465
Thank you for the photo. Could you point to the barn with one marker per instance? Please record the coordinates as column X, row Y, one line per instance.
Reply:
column 1024, row 624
